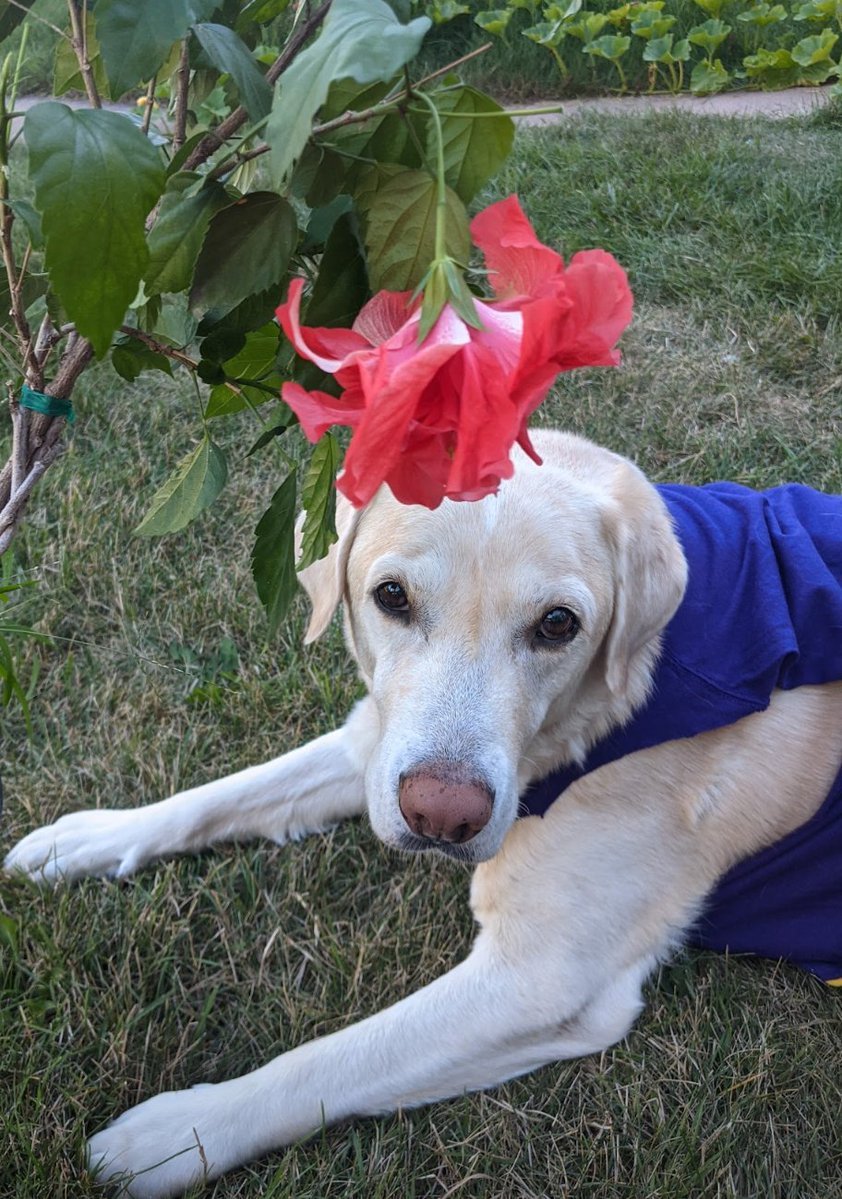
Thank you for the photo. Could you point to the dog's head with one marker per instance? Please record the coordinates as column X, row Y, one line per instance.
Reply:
column 499, row 638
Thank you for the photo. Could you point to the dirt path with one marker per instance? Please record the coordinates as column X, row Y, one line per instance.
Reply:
column 795, row 101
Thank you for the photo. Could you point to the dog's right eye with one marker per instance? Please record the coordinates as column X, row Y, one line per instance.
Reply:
column 392, row 598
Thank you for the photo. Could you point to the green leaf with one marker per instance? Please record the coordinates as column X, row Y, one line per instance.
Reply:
column 255, row 361
column 473, row 149
column 708, row 77
column 11, row 16
column 546, row 33
column 131, row 357
column 179, row 230
column 652, row 25
column 273, row 556
column 710, row 35
column 763, row 15
column 246, row 251
column 136, row 38
column 400, row 231
column 494, row 20
column 66, row 73
column 286, row 419
column 96, row 177
column 611, row 46
column 197, row 481
column 360, row 39
column 260, row 12
column 229, row 54
column 341, row 286
column 25, row 212
column 318, row 498
column 815, row 49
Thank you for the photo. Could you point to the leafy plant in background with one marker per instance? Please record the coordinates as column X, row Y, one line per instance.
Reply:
column 167, row 242
column 758, row 40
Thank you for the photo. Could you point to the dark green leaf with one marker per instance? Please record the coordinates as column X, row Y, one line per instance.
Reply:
column 96, row 177
column 136, row 38
column 131, row 357
column 473, row 149
column 322, row 220
column 708, row 77
column 273, row 556
column 285, row 421
column 179, row 230
column 341, row 286
column 401, row 230
column 11, row 16
column 255, row 361
column 318, row 498
column 247, row 316
column 360, row 39
column 246, row 250
column 229, row 54
column 25, row 212
column 197, row 481
column 260, row 12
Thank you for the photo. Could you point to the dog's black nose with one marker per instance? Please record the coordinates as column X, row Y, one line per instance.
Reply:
column 440, row 807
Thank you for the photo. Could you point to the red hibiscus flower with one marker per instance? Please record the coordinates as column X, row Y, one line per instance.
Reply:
column 438, row 419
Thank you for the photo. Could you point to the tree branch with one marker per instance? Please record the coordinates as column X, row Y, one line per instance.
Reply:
column 153, row 344
column 79, row 42
column 217, row 137
column 181, row 90
column 351, row 117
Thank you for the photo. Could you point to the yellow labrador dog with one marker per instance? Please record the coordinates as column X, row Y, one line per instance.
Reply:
column 499, row 641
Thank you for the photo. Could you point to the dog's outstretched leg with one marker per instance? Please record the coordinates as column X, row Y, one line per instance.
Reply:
column 540, row 984
column 301, row 792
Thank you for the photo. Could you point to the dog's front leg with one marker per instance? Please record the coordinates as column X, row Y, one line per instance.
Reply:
column 472, row 1028
column 303, row 791
column 517, row 1002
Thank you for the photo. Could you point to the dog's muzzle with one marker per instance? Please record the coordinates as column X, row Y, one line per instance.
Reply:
column 439, row 804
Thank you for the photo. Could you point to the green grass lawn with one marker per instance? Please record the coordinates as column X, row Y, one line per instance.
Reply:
column 731, row 1084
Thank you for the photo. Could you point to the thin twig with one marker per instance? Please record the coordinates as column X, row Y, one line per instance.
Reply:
column 152, row 343
column 13, row 511
column 150, row 104
column 182, row 87
column 79, row 42
column 451, row 66
column 217, row 137
column 351, row 117
column 18, row 440
column 17, row 311
column 37, row 17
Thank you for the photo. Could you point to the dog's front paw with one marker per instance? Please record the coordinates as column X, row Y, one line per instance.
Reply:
column 167, row 1144
column 99, row 842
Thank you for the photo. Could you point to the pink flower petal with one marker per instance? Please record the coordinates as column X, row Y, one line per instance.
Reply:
column 317, row 411
column 378, row 442
column 330, row 349
column 520, row 265
column 383, row 316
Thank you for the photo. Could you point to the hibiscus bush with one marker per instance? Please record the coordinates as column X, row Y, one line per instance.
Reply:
column 289, row 225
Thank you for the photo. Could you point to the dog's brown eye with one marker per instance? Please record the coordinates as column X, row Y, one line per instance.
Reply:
column 559, row 625
column 392, row 598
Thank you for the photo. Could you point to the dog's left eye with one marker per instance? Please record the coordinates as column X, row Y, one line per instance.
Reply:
column 557, row 626
column 392, row 598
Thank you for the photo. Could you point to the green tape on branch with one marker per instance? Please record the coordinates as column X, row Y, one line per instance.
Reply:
column 39, row 401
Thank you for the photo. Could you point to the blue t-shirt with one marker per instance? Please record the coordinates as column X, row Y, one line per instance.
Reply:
column 762, row 611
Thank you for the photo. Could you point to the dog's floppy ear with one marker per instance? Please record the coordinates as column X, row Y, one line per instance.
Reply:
column 324, row 581
column 650, row 572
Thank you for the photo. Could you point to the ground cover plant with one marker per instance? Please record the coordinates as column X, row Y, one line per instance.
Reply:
column 545, row 48
column 158, row 674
